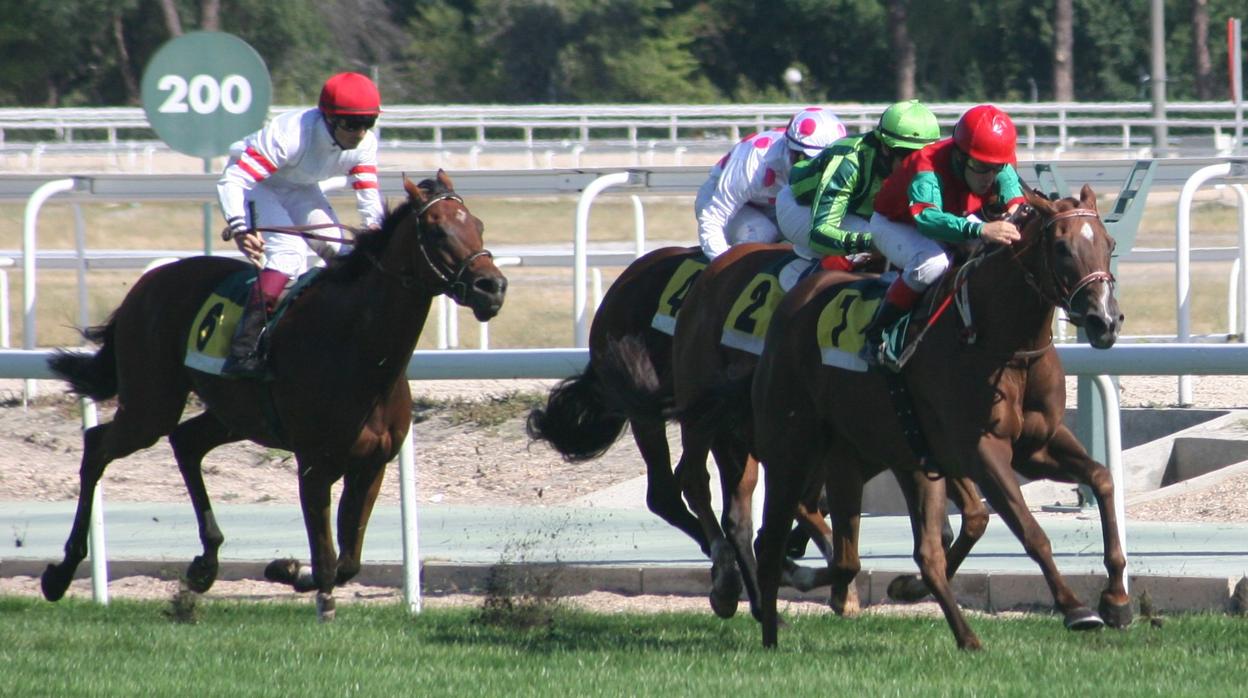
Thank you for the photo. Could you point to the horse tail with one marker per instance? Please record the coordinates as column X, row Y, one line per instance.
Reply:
column 630, row 382
column 90, row 375
column 576, row 422
column 722, row 407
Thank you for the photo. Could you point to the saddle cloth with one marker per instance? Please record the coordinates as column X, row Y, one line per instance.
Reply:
column 674, row 294
column 208, row 343
column 745, row 328
column 845, row 317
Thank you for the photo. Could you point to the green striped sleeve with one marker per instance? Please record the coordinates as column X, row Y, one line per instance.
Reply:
column 932, row 220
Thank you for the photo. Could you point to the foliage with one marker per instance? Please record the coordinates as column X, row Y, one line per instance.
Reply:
column 91, row 52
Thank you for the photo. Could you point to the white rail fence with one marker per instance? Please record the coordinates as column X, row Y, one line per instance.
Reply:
column 1194, row 128
column 1159, row 359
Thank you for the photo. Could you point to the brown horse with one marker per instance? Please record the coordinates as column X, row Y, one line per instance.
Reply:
column 986, row 408
column 712, row 394
column 339, row 397
column 628, row 380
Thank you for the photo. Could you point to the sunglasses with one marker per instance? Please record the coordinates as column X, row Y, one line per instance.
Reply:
column 355, row 124
column 981, row 168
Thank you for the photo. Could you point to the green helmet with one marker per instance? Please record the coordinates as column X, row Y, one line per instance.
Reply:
column 907, row 124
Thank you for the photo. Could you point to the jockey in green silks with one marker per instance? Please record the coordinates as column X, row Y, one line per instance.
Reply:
column 826, row 208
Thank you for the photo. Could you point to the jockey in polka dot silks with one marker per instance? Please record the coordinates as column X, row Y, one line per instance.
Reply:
column 737, row 203
column 275, row 174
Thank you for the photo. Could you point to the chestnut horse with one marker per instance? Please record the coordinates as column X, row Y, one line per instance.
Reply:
column 339, row 396
column 986, row 408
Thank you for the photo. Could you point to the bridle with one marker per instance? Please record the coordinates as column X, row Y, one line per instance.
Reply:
column 450, row 281
column 1061, row 295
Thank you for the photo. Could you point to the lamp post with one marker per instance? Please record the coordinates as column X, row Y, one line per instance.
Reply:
column 793, row 78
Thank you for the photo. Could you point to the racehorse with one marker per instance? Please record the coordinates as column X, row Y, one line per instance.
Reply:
column 712, row 404
column 986, row 407
column 338, row 398
column 627, row 381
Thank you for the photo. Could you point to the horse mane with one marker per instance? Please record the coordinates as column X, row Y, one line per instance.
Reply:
column 370, row 244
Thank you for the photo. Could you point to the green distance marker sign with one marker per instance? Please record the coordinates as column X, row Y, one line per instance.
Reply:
column 205, row 90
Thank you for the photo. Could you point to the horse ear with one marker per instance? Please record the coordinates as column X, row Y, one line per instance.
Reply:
column 1087, row 198
column 1038, row 201
column 413, row 191
column 445, row 180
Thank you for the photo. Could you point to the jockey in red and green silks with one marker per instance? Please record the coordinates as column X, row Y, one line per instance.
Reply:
column 830, row 197
column 937, row 195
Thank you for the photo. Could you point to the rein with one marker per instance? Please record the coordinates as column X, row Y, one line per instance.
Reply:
column 1061, row 297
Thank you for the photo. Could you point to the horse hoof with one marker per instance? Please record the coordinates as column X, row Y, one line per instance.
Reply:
column 799, row 577
column 53, row 583
column 908, row 589
column 325, row 607
column 284, row 571
column 1083, row 618
column 844, row 602
column 201, row 574
column 1116, row 615
column 725, row 605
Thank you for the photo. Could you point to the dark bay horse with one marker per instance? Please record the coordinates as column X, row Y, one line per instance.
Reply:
column 715, row 417
column 339, row 397
column 628, row 381
column 986, row 409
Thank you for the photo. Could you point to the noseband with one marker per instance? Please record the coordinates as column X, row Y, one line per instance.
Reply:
column 450, row 281
column 1063, row 297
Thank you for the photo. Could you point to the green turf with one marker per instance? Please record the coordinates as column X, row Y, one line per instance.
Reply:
column 243, row 649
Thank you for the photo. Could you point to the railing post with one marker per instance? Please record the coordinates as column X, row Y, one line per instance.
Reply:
column 580, row 252
column 33, row 204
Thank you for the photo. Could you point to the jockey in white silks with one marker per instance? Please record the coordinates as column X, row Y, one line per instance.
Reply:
column 275, row 174
column 737, row 203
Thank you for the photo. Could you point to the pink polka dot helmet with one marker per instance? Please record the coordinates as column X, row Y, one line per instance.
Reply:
column 813, row 129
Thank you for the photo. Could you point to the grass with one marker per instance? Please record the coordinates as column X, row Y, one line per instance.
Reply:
column 240, row 649
column 489, row 411
column 538, row 312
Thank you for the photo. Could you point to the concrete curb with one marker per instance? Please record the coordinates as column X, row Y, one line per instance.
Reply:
column 992, row 592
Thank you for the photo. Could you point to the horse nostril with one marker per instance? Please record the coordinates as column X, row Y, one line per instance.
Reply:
column 490, row 285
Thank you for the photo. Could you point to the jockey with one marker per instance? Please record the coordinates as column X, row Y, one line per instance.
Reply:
column 826, row 207
column 278, row 170
column 737, row 203
column 937, row 196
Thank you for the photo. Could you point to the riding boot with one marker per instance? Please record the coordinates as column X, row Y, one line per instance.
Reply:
column 898, row 301
column 249, row 346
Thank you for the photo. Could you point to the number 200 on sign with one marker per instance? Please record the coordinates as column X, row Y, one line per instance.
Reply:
column 203, row 94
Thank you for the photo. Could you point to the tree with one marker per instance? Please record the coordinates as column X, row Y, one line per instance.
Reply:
column 903, row 48
column 1063, row 52
column 1203, row 73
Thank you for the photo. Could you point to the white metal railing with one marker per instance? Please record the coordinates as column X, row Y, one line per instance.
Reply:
column 1195, row 127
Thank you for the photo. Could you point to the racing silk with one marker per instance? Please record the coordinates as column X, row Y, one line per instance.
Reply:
column 927, row 192
column 749, row 175
column 841, row 180
column 295, row 150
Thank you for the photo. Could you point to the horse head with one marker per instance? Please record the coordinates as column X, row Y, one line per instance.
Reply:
column 449, row 253
column 1071, row 263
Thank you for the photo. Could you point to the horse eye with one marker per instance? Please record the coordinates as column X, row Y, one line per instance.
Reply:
column 1062, row 248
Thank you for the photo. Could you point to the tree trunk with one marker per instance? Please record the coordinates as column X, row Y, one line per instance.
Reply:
column 1200, row 50
column 123, row 61
column 170, row 12
column 903, row 48
column 1063, row 47
column 210, row 16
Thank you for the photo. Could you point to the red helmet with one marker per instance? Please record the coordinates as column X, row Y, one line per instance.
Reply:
column 986, row 134
column 350, row 94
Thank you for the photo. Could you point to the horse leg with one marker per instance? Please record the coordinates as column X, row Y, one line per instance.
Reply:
column 191, row 440
column 129, row 431
column 1065, row 458
column 738, row 475
column 925, row 499
column 694, row 480
column 314, row 498
column 962, row 491
column 359, row 493
column 662, row 489
column 783, row 477
column 1001, row 488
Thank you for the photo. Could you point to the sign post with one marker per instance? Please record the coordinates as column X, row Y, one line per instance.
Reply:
column 203, row 91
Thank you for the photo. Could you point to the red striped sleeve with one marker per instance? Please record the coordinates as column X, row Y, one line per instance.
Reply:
column 255, row 174
column 261, row 160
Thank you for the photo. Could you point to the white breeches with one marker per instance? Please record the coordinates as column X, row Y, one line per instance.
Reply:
column 922, row 260
column 795, row 223
column 290, row 205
